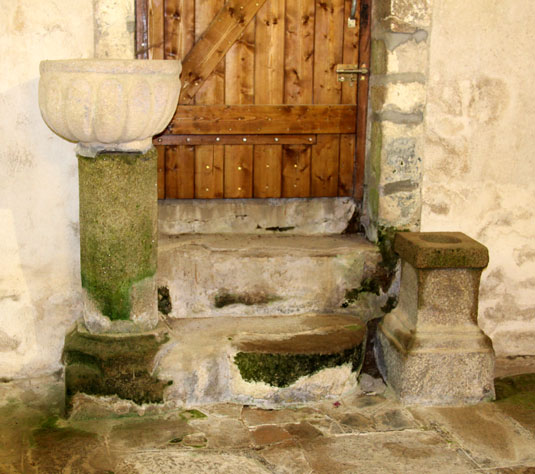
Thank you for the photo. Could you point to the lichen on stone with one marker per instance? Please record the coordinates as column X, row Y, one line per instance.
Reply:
column 118, row 227
column 113, row 365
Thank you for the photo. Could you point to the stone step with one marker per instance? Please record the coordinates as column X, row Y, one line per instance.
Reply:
column 255, row 216
column 269, row 360
column 211, row 275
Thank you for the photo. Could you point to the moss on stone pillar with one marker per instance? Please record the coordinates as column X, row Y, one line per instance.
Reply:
column 118, row 236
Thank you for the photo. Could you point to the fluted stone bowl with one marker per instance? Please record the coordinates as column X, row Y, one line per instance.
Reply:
column 108, row 104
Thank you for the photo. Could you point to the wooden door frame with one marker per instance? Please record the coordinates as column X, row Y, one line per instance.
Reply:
column 170, row 138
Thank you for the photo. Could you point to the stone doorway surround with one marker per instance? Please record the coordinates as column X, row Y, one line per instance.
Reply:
column 398, row 89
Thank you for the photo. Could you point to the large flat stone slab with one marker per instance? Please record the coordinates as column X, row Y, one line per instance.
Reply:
column 223, row 274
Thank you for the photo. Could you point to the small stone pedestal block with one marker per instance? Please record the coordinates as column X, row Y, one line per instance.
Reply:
column 430, row 349
column 118, row 241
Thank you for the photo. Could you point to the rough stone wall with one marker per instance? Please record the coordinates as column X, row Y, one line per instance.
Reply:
column 400, row 34
column 115, row 24
column 479, row 160
column 39, row 271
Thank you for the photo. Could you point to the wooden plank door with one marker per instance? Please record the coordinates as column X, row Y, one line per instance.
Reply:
column 261, row 112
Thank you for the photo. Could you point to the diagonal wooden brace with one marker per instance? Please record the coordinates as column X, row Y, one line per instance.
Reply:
column 228, row 25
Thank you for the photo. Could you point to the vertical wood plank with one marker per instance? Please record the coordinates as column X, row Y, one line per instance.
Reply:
column 350, row 53
column 269, row 53
column 324, row 166
column 238, row 171
column 239, row 69
column 179, row 21
column 161, row 171
column 179, row 28
column 298, row 89
column 156, row 29
column 179, row 172
column 299, row 52
column 328, row 52
column 213, row 89
column 328, row 41
column 239, row 89
column 209, row 160
column 142, row 29
column 347, row 165
column 269, row 89
column 349, row 96
column 296, row 171
column 209, row 172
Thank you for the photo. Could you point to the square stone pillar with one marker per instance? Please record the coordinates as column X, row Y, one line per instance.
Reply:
column 430, row 349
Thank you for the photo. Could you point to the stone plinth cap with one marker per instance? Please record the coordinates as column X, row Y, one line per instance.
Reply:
column 440, row 250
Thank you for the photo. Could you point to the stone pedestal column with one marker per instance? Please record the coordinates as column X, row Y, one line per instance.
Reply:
column 430, row 349
column 118, row 241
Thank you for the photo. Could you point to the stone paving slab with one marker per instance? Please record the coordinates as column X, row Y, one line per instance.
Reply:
column 485, row 433
column 355, row 434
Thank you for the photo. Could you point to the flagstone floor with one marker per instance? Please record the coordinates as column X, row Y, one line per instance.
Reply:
column 362, row 433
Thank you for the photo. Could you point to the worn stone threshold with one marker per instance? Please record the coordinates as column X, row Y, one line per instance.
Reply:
column 331, row 332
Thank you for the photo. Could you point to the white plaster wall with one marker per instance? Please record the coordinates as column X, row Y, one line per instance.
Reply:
column 39, row 250
column 479, row 166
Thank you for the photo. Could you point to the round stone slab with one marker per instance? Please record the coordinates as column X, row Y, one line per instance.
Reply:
column 440, row 250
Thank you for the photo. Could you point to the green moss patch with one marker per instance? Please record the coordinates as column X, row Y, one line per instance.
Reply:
column 118, row 227
column 281, row 370
column 192, row 414
column 113, row 365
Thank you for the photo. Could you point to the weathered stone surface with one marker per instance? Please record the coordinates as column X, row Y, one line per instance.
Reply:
column 203, row 359
column 113, row 105
column 118, row 241
column 401, row 97
column 191, row 462
column 258, row 416
column 269, row 434
column 405, row 16
column 114, row 25
column 400, row 452
column 217, row 275
column 395, row 173
column 258, row 216
column 425, row 376
column 355, row 433
column 108, row 364
column 430, row 349
column 484, row 432
column 409, row 57
column 441, row 250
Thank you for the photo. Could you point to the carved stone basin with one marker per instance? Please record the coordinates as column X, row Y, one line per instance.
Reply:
column 108, row 104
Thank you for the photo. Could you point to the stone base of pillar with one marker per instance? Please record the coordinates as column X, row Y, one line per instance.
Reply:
column 118, row 241
column 430, row 349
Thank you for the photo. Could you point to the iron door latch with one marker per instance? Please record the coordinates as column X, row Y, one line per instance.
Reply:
column 350, row 72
